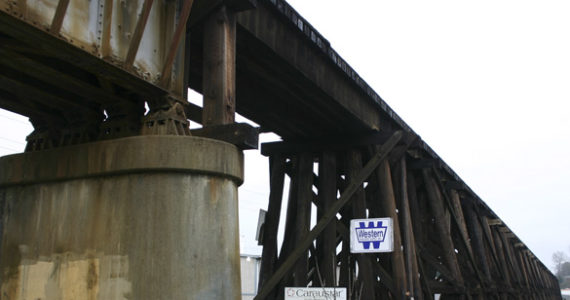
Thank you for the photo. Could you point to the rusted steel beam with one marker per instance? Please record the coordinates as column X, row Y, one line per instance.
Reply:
column 60, row 49
column 176, row 38
column 138, row 34
column 58, row 17
column 271, row 225
column 329, row 215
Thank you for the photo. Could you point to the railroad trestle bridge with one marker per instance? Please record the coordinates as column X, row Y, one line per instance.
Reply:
column 116, row 198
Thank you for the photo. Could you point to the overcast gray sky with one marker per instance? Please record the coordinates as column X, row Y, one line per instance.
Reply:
column 485, row 83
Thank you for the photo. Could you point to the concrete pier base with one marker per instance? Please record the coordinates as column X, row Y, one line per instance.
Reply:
column 149, row 217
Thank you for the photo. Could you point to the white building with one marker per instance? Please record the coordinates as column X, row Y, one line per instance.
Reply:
column 249, row 276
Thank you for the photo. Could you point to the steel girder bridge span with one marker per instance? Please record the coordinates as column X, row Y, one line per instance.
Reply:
column 86, row 72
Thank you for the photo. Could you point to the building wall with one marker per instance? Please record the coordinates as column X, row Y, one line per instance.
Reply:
column 249, row 276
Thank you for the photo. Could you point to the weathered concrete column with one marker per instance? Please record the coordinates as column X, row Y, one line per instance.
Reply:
column 153, row 217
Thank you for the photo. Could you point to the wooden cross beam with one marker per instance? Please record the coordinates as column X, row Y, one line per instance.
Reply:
column 495, row 222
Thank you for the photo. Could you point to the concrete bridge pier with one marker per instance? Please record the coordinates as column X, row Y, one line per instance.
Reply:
column 146, row 217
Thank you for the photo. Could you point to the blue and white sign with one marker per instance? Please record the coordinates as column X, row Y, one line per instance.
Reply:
column 371, row 235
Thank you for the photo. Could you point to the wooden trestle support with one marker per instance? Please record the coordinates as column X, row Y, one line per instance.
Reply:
column 446, row 241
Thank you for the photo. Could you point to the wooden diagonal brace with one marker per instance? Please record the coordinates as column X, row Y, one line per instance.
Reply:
column 285, row 268
column 464, row 237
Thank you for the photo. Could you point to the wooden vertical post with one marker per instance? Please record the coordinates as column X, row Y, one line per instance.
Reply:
column 487, row 232
column 345, row 263
column 495, row 263
column 365, row 275
column 456, row 204
column 533, row 275
column 515, row 272
column 459, row 216
column 523, row 268
column 388, row 204
column 476, row 235
column 415, row 210
column 442, row 225
column 345, row 269
column 303, row 193
column 535, row 278
column 289, row 235
column 529, row 272
column 407, row 231
column 412, row 202
column 326, row 242
column 271, row 226
column 537, row 275
column 219, row 70
column 502, row 259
